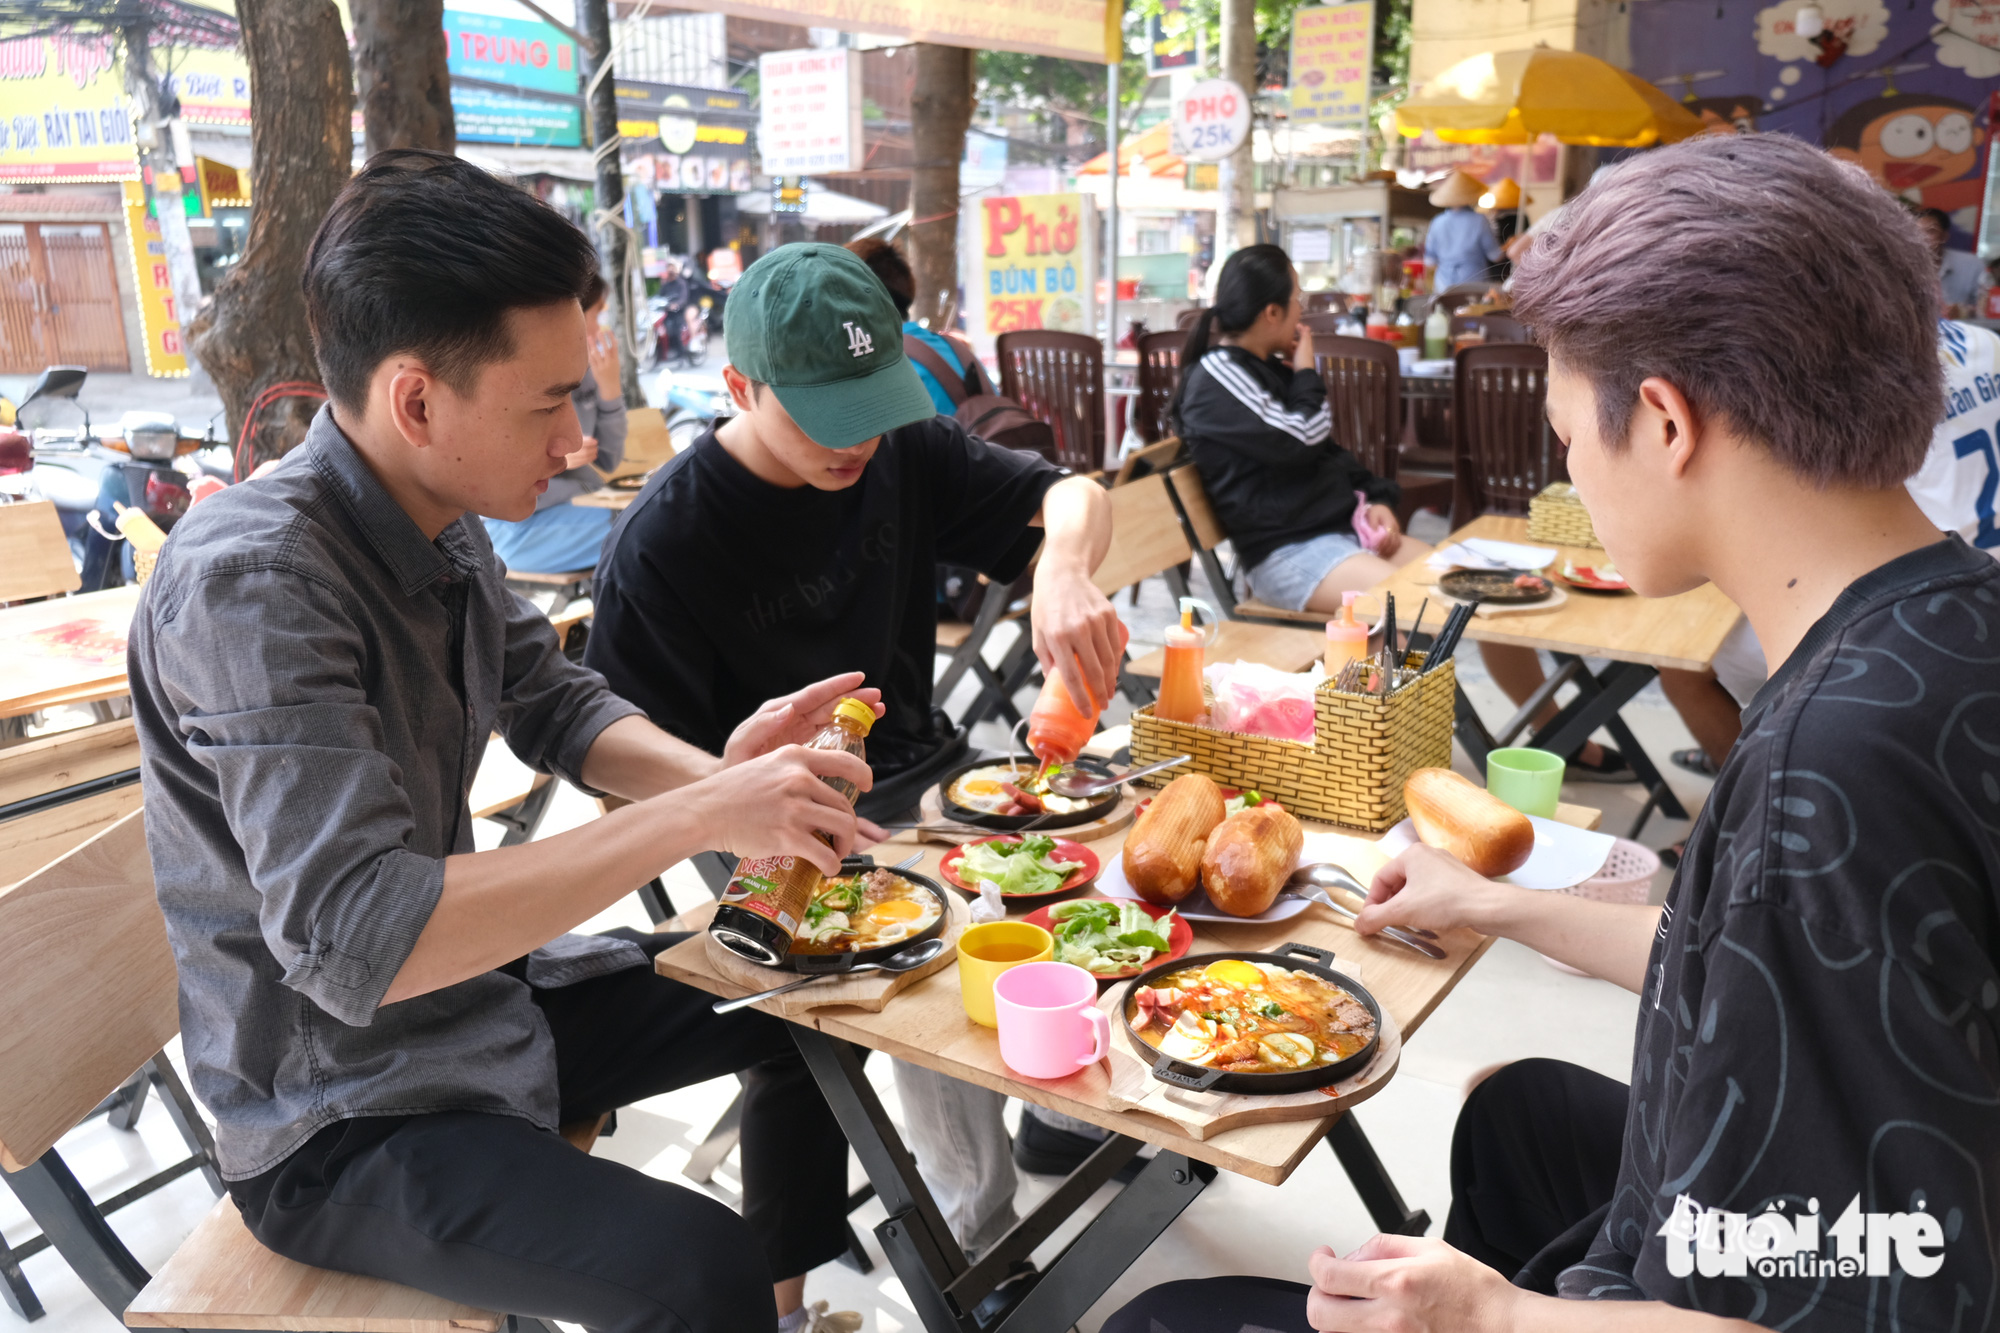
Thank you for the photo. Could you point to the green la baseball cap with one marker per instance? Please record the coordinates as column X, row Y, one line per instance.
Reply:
column 815, row 324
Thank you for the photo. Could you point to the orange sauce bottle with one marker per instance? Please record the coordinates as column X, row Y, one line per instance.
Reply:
column 1057, row 729
column 1180, row 679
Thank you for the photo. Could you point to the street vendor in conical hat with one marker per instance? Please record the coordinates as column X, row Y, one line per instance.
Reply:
column 1460, row 243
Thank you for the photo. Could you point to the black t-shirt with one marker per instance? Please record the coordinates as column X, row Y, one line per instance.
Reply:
column 718, row 591
column 1820, row 1014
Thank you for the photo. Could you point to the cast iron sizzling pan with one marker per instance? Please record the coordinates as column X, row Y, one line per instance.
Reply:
column 1097, row 809
column 843, row 962
column 1196, row 1078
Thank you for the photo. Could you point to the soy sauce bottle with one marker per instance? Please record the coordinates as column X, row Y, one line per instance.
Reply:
column 766, row 898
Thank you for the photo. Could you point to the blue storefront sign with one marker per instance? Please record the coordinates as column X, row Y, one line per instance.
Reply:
column 487, row 116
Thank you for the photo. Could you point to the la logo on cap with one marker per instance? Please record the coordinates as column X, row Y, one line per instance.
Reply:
column 859, row 341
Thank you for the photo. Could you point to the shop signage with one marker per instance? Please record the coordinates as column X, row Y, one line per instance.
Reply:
column 63, row 113
column 811, row 111
column 1172, row 39
column 692, row 174
column 485, row 115
column 152, row 280
column 1073, row 29
column 1211, row 120
column 1333, row 51
column 708, row 122
column 521, row 53
column 213, row 86
column 1037, row 264
column 221, row 185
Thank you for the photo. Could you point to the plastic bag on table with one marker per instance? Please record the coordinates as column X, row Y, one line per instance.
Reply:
column 1260, row 700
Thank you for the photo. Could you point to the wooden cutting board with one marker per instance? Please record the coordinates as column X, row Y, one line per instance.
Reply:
column 1203, row 1114
column 868, row 991
column 931, row 809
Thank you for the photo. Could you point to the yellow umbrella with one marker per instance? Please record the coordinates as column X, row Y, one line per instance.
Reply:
column 1512, row 96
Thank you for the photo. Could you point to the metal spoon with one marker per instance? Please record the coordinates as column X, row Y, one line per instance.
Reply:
column 903, row 960
column 1312, row 881
column 1080, row 785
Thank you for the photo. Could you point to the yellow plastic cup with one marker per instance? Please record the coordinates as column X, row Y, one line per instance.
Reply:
column 984, row 952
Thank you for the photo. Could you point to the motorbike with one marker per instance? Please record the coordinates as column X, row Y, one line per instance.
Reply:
column 150, row 463
column 689, row 408
column 676, row 331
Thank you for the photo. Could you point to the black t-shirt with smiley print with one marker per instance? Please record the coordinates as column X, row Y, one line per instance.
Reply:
column 1821, row 1018
column 717, row 591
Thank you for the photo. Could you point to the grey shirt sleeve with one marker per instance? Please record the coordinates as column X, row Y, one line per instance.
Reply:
column 551, row 709
column 281, row 718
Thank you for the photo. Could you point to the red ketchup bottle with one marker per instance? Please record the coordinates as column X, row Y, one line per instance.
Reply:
column 1057, row 729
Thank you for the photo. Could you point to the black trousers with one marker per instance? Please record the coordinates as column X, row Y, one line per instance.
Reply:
column 1534, row 1160
column 492, row 1211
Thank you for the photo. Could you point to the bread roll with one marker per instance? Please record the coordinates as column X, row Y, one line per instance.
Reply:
column 1249, row 857
column 1475, row 826
column 1163, row 853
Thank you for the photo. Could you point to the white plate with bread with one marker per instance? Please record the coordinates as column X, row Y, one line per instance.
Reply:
column 1189, row 853
column 1457, row 816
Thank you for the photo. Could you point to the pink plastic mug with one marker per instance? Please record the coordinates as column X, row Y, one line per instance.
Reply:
column 1050, row 1025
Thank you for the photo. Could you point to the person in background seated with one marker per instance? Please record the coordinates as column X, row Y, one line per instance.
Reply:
column 1253, row 412
column 886, row 263
column 1254, row 415
column 1958, row 271
column 561, row 536
column 1809, row 1138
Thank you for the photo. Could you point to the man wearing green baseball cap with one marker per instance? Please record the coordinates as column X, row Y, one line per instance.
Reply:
column 806, row 531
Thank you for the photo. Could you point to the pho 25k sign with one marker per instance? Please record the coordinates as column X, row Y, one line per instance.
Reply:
column 1211, row 120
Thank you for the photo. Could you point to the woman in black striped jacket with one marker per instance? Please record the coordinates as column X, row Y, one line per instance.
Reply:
column 1253, row 413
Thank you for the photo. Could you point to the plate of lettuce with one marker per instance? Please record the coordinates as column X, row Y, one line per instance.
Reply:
column 1034, row 866
column 1112, row 939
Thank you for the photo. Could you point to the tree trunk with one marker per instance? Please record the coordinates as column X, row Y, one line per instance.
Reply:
column 615, row 242
column 940, row 111
column 1236, row 227
column 253, row 334
column 399, row 64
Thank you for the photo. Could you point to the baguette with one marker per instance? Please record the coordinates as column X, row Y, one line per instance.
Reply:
column 1249, row 858
column 1163, row 854
column 1452, row 815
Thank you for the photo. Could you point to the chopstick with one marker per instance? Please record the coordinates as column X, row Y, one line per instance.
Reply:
column 1415, row 628
column 1447, row 639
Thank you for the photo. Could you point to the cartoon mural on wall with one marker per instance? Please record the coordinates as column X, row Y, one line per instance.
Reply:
column 1903, row 90
column 1920, row 146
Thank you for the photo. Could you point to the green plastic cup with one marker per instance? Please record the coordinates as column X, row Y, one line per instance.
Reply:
column 1529, row 780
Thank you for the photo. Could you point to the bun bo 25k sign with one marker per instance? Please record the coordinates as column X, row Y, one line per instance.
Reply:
column 1037, row 264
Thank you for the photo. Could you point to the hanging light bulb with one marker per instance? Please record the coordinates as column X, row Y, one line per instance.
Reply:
column 1809, row 22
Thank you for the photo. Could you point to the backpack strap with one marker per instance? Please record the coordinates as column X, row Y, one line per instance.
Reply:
column 951, row 381
column 976, row 383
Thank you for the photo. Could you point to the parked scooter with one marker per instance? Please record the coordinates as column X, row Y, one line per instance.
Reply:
column 689, row 408
column 150, row 463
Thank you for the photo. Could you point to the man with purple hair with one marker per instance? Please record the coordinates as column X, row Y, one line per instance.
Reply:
column 1743, row 369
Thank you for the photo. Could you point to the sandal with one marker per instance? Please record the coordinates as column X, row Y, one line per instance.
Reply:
column 1610, row 767
column 1695, row 761
column 1670, row 857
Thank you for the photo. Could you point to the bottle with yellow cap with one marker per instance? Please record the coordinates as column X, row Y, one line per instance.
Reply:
column 766, row 898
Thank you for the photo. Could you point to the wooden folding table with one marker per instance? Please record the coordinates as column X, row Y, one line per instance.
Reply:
column 926, row 1025
column 1638, row 636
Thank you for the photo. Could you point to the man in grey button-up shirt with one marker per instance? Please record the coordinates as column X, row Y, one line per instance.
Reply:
column 388, row 1025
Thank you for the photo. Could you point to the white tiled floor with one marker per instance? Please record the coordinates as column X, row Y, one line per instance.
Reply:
column 1510, row 1006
